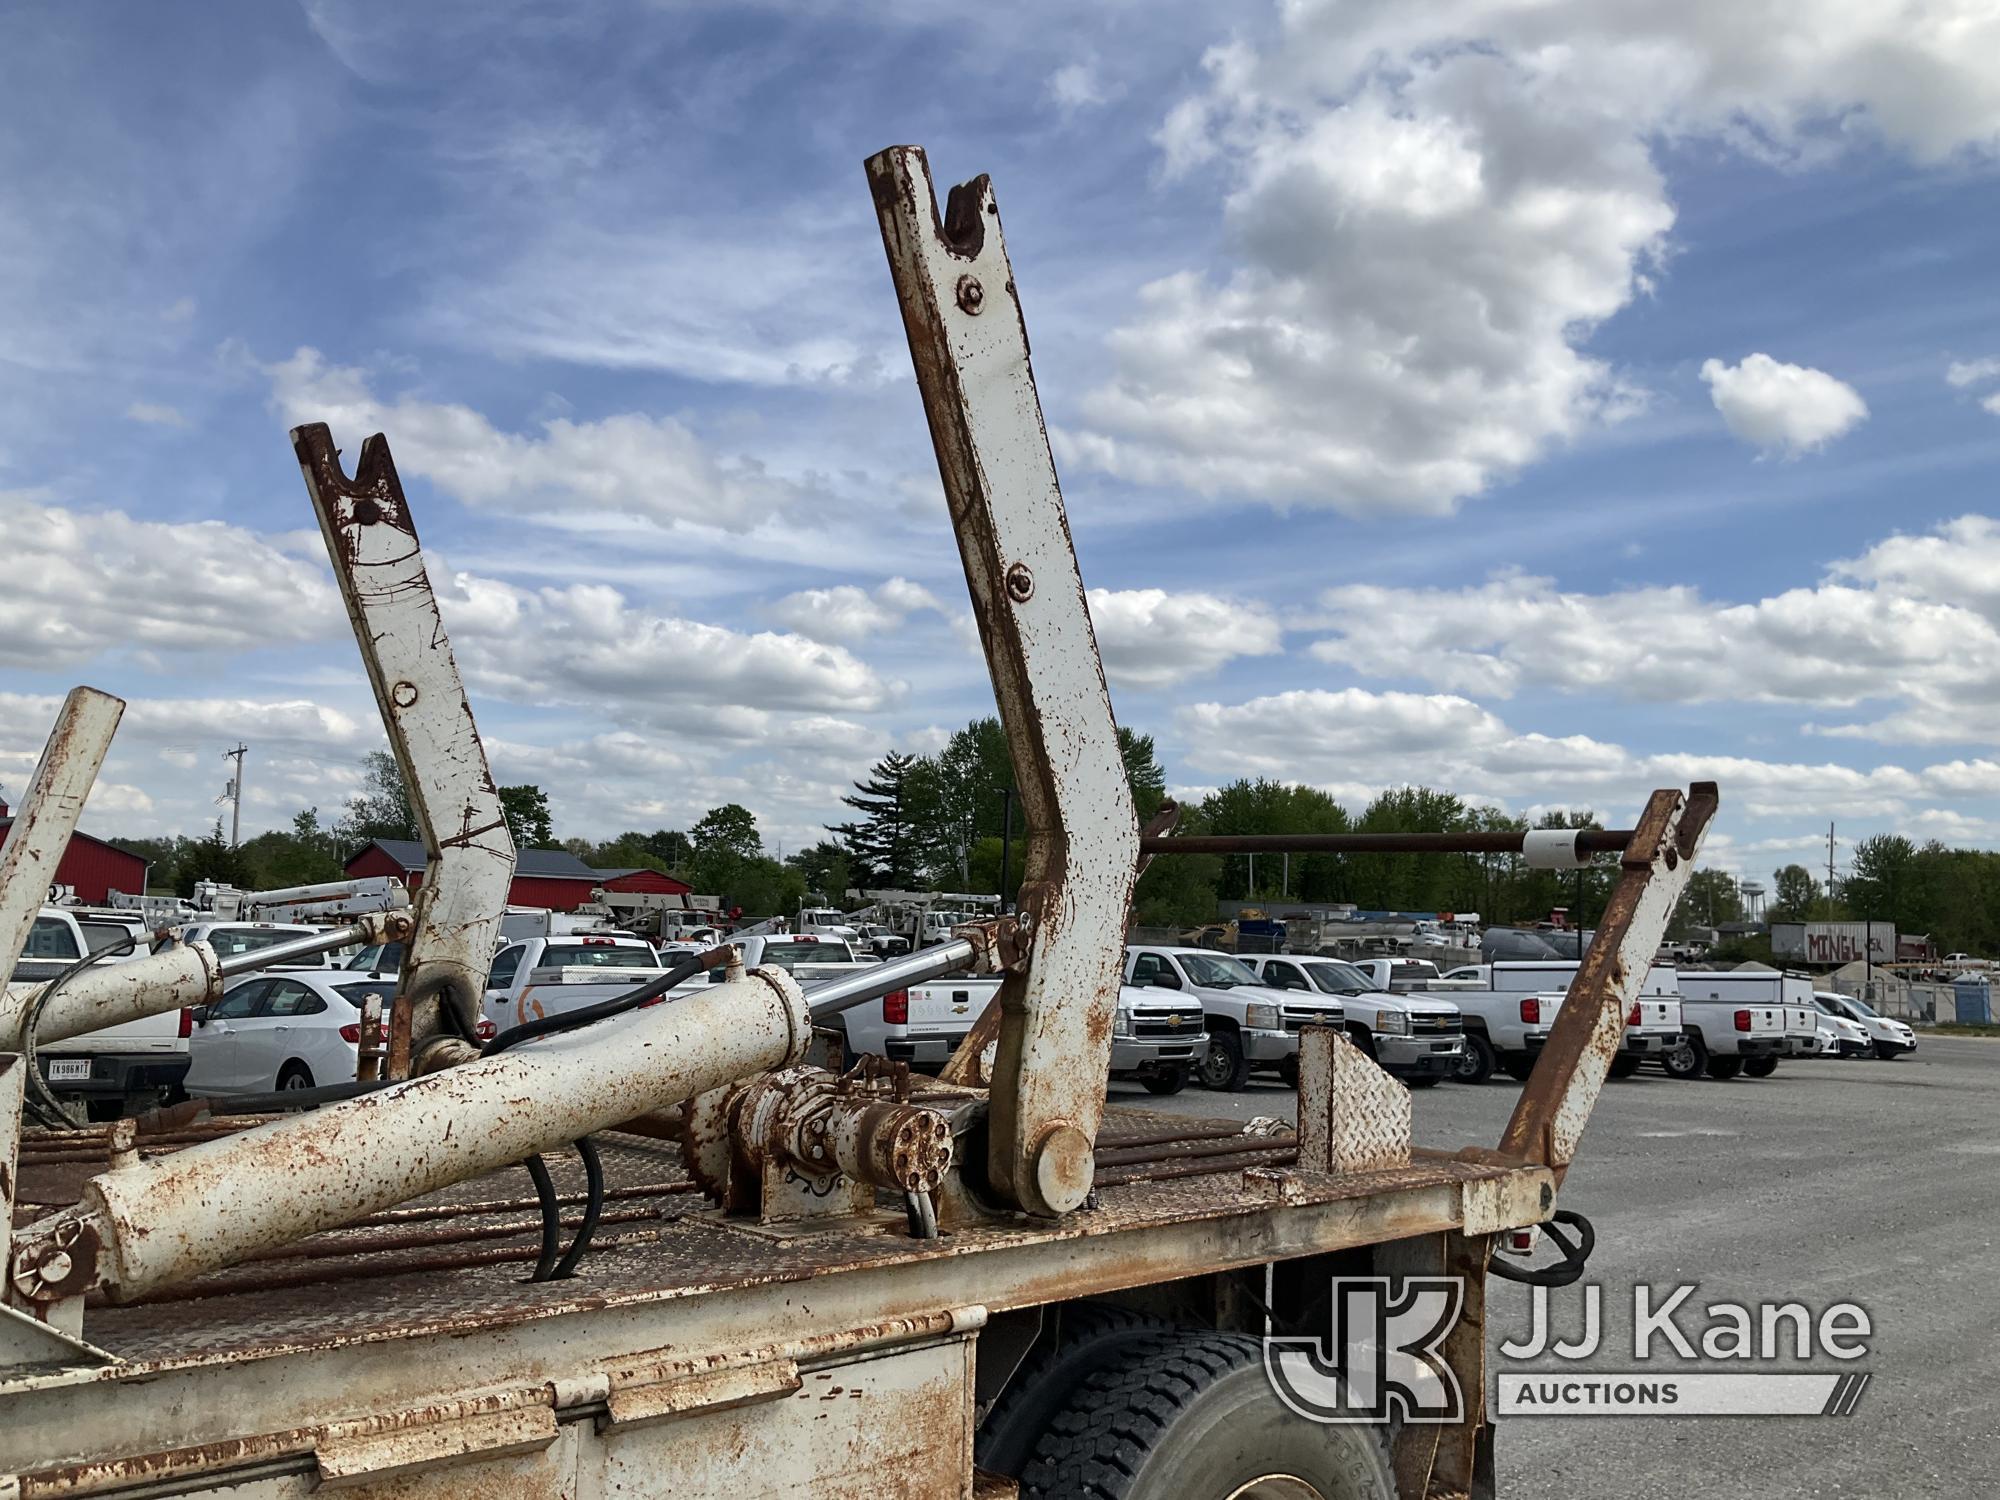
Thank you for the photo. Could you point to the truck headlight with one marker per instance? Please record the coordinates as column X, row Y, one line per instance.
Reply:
column 1261, row 1017
column 1121, row 1024
column 1393, row 1023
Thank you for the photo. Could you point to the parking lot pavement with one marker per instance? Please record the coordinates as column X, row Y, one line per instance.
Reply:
column 1867, row 1182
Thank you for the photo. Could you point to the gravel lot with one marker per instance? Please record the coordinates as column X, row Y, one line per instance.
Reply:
column 1876, row 1183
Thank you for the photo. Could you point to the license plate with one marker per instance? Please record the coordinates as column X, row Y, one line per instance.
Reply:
column 64, row 1069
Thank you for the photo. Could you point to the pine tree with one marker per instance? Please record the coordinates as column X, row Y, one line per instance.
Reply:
column 879, row 844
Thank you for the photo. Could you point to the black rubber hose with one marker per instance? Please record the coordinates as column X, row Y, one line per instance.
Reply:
column 1565, row 1271
column 545, row 1190
column 617, row 1005
column 593, row 1176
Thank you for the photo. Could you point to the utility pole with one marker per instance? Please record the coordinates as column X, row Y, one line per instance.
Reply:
column 236, row 793
column 1829, row 872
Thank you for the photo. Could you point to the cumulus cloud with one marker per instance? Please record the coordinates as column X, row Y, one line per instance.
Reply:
column 847, row 613
column 654, row 468
column 587, row 645
column 1781, row 408
column 84, row 583
column 1913, row 622
column 1356, row 743
column 1075, row 86
column 1429, row 208
column 1963, row 372
column 1153, row 639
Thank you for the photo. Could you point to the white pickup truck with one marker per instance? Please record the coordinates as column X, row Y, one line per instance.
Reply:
column 1510, row 1008
column 1416, row 1036
column 1156, row 1038
column 138, row 1064
column 1250, row 1026
column 1726, row 1027
column 544, row 976
column 1791, row 993
column 1397, row 974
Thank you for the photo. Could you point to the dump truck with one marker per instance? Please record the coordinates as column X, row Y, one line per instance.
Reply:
column 658, row 1248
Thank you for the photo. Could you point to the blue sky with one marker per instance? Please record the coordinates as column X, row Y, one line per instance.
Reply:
column 1544, row 401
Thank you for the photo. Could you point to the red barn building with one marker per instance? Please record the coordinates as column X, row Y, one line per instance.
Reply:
column 94, row 868
column 553, row 878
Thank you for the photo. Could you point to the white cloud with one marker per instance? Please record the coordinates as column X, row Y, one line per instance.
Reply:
column 1430, row 207
column 84, row 583
column 155, row 415
column 847, row 613
column 1964, row 372
column 1357, row 743
column 586, row 645
column 631, row 464
column 1075, row 86
column 1781, row 408
column 1153, row 639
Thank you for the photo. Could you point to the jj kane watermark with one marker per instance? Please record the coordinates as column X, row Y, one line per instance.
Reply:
column 1384, row 1357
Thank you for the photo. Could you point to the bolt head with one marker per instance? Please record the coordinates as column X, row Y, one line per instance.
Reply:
column 971, row 295
column 1020, row 583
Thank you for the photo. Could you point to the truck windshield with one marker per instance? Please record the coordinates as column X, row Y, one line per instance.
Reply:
column 228, row 942
column 596, row 956
column 1215, row 972
column 1334, row 980
column 784, row 955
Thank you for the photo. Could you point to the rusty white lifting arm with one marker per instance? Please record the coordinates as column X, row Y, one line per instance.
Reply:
column 970, row 348
column 41, row 829
column 182, row 975
column 211, row 1205
column 1569, row 1074
column 379, row 564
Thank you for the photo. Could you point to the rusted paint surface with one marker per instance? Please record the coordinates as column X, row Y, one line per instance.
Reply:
column 216, row 1203
column 378, row 563
column 974, row 371
column 39, row 836
column 1556, row 1101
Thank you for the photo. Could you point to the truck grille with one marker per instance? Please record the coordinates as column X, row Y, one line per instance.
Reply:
column 1154, row 1025
column 1436, row 1025
column 1297, row 1020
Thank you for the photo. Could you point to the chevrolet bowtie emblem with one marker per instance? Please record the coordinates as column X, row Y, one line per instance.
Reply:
column 1174, row 1021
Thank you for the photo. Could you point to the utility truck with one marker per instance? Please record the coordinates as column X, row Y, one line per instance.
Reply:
column 649, row 1249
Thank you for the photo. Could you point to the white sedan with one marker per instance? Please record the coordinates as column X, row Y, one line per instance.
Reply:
column 288, row 1029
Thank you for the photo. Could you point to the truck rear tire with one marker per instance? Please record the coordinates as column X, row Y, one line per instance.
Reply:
column 1478, row 1062
column 1760, row 1067
column 1170, row 1079
column 1193, row 1415
column 1722, row 1069
column 1080, row 1339
column 1518, row 1065
column 1224, row 1068
column 1624, row 1066
column 1688, row 1061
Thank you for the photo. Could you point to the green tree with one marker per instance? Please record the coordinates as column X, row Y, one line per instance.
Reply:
column 730, row 830
column 1711, row 898
column 307, row 854
column 211, row 858
column 526, row 809
column 381, row 809
column 825, row 869
column 1793, row 893
column 881, row 843
column 1142, row 772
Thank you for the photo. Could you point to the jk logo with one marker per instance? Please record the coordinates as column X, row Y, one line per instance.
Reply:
column 1381, row 1360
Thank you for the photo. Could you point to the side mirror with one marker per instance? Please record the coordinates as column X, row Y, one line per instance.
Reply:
column 1165, row 980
